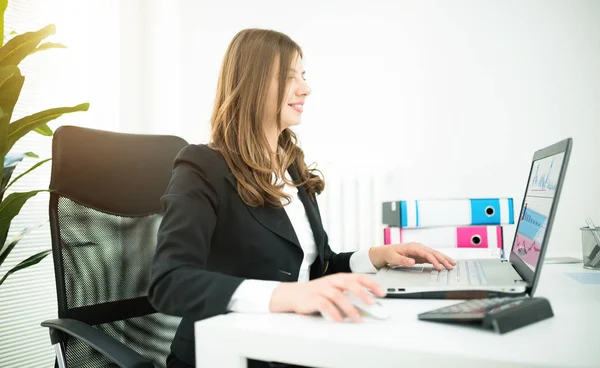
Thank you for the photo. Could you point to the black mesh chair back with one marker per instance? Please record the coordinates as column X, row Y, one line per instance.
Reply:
column 104, row 215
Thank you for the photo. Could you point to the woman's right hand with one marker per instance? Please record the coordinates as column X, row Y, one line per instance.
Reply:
column 326, row 295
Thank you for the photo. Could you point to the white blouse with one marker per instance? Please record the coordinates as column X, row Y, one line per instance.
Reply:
column 297, row 215
column 255, row 295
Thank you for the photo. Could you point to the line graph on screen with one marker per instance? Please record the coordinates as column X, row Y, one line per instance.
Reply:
column 545, row 176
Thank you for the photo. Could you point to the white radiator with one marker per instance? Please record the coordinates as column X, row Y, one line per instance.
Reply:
column 351, row 209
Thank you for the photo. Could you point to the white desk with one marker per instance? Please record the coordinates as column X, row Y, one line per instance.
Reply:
column 571, row 338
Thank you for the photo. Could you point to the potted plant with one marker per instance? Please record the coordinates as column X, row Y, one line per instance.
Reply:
column 11, row 82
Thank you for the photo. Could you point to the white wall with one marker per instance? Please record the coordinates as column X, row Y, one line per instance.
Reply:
column 427, row 99
column 444, row 99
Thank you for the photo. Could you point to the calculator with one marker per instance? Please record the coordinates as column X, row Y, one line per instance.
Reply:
column 499, row 314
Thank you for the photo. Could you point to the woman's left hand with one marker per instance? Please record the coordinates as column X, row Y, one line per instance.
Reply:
column 408, row 254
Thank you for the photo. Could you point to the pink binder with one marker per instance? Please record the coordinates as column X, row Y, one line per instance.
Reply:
column 448, row 236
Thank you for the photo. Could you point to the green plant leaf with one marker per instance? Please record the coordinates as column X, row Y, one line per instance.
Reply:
column 11, row 160
column 44, row 130
column 6, row 72
column 6, row 174
column 10, row 207
column 8, row 246
column 34, row 259
column 24, row 44
column 49, row 45
column 9, row 86
column 10, row 91
column 19, row 128
column 4, row 122
column 38, row 164
column 3, row 5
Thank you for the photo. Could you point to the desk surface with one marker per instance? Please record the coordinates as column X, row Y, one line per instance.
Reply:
column 570, row 338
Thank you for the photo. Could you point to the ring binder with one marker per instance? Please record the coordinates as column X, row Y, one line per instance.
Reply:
column 448, row 236
column 448, row 212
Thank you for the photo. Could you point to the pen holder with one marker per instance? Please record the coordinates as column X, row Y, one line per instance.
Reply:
column 590, row 248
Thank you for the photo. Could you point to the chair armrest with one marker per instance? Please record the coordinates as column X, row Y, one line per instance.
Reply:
column 101, row 342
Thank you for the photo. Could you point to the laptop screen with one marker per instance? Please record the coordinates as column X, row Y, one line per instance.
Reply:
column 533, row 219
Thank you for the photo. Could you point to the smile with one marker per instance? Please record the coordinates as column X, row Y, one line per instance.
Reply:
column 298, row 108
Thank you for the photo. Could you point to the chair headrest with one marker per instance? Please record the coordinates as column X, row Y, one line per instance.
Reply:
column 119, row 173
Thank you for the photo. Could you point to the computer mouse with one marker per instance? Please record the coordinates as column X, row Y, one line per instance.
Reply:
column 375, row 311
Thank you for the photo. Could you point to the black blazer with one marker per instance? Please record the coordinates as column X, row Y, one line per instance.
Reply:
column 209, row 241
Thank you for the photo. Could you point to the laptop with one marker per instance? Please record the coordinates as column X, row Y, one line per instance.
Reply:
column 488, row 278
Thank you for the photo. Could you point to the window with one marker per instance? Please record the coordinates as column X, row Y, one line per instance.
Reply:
column 87, row 71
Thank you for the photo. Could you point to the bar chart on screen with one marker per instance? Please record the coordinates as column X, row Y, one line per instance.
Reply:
column 532, row 227
column 534, row 214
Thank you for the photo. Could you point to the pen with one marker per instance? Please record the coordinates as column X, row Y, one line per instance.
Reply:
column 594, row 255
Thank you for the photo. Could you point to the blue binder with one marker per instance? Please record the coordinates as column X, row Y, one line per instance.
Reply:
column 448, row 212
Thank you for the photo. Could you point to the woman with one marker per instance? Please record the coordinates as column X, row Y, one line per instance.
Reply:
column 242, row 230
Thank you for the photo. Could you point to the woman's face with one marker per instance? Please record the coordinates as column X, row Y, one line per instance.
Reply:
column 293, row 101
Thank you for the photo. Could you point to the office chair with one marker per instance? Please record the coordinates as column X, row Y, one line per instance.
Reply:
column 104, row 214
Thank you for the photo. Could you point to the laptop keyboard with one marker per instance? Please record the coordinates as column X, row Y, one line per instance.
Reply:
column 467, row 272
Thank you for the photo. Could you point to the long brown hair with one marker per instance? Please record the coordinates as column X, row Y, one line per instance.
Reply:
column 237, row 120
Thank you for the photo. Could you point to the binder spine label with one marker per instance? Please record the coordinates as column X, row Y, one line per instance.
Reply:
column 444, row 213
